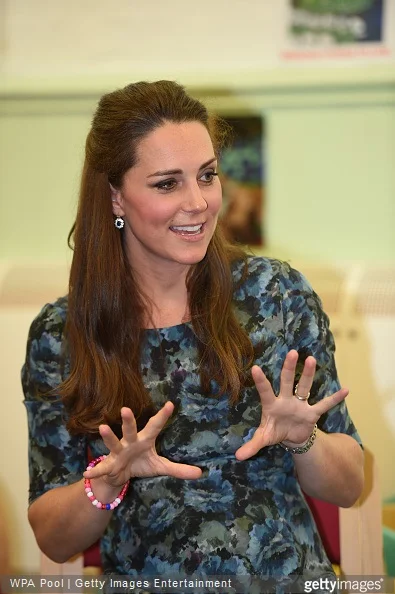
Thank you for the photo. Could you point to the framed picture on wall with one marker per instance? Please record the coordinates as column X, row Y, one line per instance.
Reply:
column 338, row 29
column 330, row 22
column 241, row 169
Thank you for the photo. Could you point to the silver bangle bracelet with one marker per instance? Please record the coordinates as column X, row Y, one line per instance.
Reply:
column 305, row 447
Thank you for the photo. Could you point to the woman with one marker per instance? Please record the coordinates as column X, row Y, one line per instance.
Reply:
column 177, row 355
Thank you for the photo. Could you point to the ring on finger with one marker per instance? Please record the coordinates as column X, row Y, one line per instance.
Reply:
column 298, row 396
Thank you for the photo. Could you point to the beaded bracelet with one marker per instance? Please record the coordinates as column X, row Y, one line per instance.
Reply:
column 90, row 495
column 303, row 448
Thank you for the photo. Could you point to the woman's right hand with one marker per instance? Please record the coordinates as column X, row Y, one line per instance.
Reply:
column 135, row 454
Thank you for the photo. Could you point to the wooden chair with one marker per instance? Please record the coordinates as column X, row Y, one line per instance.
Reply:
column 5, row 563
column 352, row 537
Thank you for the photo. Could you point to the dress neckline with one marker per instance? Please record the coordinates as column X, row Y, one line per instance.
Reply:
column 187, row 324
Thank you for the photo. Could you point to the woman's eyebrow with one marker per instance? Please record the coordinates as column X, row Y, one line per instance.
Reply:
column 178, row 171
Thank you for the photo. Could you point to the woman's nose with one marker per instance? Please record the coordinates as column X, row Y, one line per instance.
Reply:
column 194, row 200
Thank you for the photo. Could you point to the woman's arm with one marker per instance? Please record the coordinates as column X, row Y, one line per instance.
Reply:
column 65, row 522
column 57, row 460
column 332, row 469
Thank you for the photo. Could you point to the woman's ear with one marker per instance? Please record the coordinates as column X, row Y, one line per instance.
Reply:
column 116, row 200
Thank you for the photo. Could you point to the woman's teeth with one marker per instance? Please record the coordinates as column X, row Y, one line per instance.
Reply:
column 190, row 229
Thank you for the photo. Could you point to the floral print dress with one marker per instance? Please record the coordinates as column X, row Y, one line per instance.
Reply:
column 246, row 518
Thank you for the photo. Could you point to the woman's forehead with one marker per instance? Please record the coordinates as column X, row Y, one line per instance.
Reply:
column 175, row 141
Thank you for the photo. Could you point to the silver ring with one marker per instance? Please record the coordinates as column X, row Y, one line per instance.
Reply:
column 298, row 396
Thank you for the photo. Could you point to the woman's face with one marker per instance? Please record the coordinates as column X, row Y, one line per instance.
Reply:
column 171, row 198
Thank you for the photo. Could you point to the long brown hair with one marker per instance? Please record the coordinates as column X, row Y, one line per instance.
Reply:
column 105, row 305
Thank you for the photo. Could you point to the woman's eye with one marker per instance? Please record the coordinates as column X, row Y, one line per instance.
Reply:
column 167, row 184
column 208, row 176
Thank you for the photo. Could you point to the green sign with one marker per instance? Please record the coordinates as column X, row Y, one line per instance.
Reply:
column 334, row 6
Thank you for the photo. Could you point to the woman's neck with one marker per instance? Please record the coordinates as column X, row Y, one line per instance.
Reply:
column 166, row 296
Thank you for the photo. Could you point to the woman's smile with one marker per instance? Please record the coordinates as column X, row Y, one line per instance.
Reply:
column 188, row 232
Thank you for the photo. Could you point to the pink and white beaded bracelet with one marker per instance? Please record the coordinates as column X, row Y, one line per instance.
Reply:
column 90, row 495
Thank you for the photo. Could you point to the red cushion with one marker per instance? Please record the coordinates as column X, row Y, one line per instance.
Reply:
column 326, row 516
column 92, row 556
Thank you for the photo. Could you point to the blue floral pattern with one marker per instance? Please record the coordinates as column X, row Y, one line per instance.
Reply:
column 240, row 518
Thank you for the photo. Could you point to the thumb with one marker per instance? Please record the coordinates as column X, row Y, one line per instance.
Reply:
column 252, row 447
column 181, row 471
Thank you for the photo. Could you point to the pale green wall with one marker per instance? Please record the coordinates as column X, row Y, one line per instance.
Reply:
column 332, row 183
column 40, row 167
column 331, row 174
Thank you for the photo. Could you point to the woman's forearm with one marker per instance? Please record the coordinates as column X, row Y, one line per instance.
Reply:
column 332, row 469
column 65, row 522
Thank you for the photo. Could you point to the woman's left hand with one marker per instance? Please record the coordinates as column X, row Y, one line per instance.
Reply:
column 285, row 418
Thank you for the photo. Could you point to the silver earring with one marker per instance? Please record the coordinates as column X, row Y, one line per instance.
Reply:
column 119, row 223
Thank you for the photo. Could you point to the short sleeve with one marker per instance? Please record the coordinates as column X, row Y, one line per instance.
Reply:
column 306, row 329
column 56, row 458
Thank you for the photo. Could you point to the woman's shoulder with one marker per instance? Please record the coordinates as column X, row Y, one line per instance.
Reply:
column 42, row 370
column 264, row 271
column 50, row 320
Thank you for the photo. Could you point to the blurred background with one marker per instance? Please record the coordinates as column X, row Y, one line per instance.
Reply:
column 319, row 75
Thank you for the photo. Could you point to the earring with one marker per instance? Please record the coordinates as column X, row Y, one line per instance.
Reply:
column 119, row 223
